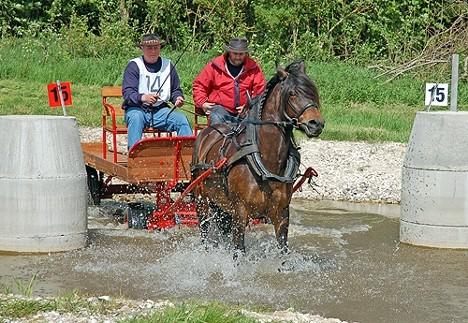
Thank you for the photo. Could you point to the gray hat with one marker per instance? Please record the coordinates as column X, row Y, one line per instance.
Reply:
column 152, row 39
column 238, row 45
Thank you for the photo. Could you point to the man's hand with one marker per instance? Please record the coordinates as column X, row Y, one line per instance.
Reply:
column 149, row 98
column 240, row 109
column 207, row 106
column 179, row 102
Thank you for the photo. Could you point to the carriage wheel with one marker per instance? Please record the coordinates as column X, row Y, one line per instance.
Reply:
column 94, row 185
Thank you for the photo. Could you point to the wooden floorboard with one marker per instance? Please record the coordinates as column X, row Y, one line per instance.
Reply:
column 151, row 172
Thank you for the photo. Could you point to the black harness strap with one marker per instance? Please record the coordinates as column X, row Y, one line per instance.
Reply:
column 241, row 153
column 249, row 149
column 254, row 159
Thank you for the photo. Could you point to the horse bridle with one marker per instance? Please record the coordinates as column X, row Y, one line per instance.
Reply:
column 295, row 120
column 291, row 122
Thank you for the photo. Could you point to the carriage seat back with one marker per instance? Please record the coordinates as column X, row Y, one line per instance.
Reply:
column 113, row 122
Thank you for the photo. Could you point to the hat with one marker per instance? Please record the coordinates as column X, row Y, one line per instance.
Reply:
column 237, row 45
column 152, row 39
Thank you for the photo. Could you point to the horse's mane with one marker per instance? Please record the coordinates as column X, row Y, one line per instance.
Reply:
column 300, row 82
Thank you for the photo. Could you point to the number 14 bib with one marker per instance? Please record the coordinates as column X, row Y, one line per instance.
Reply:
column 151, row 82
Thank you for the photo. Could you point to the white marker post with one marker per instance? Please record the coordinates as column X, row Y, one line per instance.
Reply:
column 454, row 83
column 62, row 101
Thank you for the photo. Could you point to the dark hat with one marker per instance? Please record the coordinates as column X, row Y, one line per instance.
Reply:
column 152, row 39
column 237, row 45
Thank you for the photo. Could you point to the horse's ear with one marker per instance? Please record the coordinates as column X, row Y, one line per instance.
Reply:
column 281, row 72
column 302, row 67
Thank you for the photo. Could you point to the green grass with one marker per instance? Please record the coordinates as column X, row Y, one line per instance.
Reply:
column 15, row 308
column 71, row 302
column 20, row 286
column 5, row 289
column 76, row 303
column 26, row 288
column 24, row 307
column 356, row 106
column 188, row 313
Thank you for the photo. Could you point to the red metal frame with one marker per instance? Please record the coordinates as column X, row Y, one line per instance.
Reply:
column 170, row 212
column 180, row 211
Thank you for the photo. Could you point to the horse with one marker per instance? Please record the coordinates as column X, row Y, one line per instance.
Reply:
column 262, row 159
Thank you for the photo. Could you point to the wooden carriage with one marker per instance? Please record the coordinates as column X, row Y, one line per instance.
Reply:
column 158, row 165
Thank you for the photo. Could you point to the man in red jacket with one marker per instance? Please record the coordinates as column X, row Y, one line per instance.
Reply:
column 221, row 87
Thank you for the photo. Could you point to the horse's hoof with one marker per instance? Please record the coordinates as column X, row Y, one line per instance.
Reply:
column 209, row 243
column 286, row 267
column 236, row 255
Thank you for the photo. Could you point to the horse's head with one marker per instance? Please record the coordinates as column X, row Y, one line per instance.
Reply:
column 300, row 99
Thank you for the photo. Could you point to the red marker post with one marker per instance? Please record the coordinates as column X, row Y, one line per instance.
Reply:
column 60, row 95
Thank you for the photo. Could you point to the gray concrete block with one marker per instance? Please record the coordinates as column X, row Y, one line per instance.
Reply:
column 434, row 193
column 43, row 190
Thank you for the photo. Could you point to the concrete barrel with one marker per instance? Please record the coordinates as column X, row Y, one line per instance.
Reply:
column 43, row 196
column 434, row 192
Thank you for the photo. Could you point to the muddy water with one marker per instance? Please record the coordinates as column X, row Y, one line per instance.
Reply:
column 346, row 262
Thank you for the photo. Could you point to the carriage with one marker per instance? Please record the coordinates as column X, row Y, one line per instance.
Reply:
column 159, row 165
column 172, row 167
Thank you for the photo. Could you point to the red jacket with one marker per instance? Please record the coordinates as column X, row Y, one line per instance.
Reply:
column 215, row 84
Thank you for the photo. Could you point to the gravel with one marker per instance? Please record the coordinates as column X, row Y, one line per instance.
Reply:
column 348, row 171
column 354, row 171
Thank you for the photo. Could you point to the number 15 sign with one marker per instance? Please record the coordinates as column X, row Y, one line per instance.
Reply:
column 436, row 94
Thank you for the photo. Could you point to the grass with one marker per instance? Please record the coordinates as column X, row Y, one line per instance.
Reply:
column 356, row 106
column 26, row 289
column 71, row 302
column 75, row 303
column 21, row 286
column 24, row 307
column 16, row 308
column 193, row 312
column 5, row 289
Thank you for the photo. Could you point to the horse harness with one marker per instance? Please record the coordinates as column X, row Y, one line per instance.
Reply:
column 249, row 148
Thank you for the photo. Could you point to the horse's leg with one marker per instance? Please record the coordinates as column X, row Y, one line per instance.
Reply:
column 239, row 222
column 223, row 220
column 280, row 219
column 282, row 236
column 203, row 212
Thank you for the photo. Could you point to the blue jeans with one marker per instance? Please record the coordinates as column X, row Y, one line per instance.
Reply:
column 219, row 114
column 137, row 119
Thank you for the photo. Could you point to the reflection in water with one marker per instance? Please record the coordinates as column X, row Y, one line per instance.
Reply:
column 343, row 263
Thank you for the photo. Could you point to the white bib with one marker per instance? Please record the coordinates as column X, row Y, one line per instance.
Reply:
column 151, row 82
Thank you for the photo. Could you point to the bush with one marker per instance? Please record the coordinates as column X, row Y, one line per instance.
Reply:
column 360, row 30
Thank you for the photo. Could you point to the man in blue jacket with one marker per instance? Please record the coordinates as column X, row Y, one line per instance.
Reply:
column 149, row 82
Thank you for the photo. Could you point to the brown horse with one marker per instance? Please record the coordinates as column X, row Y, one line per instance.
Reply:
column 262, row 158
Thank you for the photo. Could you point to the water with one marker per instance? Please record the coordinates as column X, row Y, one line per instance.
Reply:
column 345, row 262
